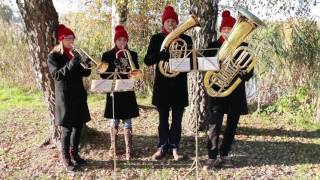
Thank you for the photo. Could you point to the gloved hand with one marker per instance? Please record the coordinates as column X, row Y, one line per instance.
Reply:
column 164, row 55
column 245, row 76
column 76, row 58
column 88, row 62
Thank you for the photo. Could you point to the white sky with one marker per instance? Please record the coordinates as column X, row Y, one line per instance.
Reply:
column 65, row 6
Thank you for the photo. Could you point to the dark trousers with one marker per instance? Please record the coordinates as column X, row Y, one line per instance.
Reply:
column 70, row 139
column 228, row 135
column 169, row 137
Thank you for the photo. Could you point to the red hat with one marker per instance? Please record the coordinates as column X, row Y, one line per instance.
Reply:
column 63, row 32
column 227, row 20
column 120, row 32
column 168, row 13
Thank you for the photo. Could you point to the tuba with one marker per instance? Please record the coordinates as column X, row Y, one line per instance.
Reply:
column 177, row 46
column 87, row 61
column 233, row 57
column 127, row 55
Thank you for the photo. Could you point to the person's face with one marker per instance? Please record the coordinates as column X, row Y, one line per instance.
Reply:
column 121, row 43
column 170, row 24
column 68, row 42
column 225, row 31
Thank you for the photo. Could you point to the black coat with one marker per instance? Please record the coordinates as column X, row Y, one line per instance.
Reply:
column 125, row 103
column 167, row 92
column 236, row 102
column 71, row 106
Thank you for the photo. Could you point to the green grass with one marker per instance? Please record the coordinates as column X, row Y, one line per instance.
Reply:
column 13, row 97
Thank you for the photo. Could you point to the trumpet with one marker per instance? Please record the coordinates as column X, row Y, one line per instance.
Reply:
column 87, row 62
column 134, row 72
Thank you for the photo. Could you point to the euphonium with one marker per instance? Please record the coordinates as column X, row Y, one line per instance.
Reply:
column 133, row 69
column 87, row 61
column 233, row 58
column 175, row 45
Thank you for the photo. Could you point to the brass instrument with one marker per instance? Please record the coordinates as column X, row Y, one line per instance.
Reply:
column 87, row 61
column 177, row 47
column 222, row 83
column 127, row 55
column 233, row 58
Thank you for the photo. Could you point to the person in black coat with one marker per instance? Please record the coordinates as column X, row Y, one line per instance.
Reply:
column 233, row 105
column 168, row 93
column 125, row 104
column 71, row 109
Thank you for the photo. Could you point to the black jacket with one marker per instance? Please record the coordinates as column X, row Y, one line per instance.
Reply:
column 125, row 103
column 71, row 106
column 167, row 92
column 236, row 102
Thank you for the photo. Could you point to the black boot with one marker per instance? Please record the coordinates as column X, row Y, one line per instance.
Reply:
column 76, row 159
column 66, row 161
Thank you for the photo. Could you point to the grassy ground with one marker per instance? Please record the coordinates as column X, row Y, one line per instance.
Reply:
column 264, row 149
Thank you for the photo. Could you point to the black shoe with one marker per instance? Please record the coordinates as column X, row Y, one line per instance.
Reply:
column 176, row 155
column 159, row 154
column 66, row 161
column 76, row 159
column 226, row 162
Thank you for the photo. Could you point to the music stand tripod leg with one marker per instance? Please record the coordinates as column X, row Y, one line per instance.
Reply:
column 196, row 163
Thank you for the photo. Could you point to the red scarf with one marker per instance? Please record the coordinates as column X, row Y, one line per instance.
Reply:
column 221, row 39
column 67, row 52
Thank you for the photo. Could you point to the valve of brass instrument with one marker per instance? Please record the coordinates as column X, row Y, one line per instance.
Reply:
column 134, row 72
column 87, row 61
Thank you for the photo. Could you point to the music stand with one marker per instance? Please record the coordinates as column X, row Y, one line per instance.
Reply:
column 114, row 76
column 196, row 163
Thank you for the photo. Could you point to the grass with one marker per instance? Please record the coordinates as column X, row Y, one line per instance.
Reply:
column 12, row 97
column 264, row 149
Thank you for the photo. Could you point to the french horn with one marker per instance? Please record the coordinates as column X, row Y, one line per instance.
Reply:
column 177, row 47
column 133, row 69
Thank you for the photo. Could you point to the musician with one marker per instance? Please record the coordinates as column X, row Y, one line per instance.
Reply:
column 233, row 105
column 71, row 109
column 125, row 104
column 168, row 93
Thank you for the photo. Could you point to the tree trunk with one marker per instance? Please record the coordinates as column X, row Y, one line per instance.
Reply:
column 41, row 19
column 207, row 12
column 119, row 14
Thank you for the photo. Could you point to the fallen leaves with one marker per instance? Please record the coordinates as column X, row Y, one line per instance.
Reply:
column 260, row 151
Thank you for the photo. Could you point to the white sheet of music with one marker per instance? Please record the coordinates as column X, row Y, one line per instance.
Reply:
column 124, row 85
column 208, row 64
column 101, row 85
column 180, row 64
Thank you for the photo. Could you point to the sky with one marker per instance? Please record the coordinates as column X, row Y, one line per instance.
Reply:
column 66, row 6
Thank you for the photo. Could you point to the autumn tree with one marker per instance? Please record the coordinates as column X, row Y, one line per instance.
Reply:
column 206, row 12
column 40, row 20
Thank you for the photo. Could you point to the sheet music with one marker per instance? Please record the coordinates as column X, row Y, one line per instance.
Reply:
column 180, row 64
column 124, row 85
column 208, row 64
column 101, row 85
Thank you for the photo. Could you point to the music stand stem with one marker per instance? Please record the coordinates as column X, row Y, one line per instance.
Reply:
column 113, row 116
column 196, row 163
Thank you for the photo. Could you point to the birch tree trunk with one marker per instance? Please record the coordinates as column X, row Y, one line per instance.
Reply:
column 207, row 12
column 40, row 20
